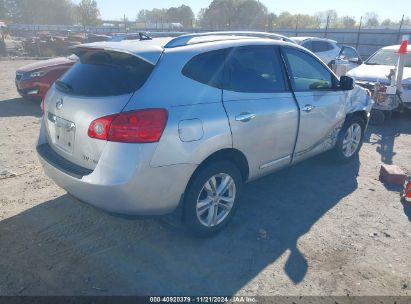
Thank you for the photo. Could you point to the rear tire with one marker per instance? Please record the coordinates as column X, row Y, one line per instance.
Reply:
column 349, row 140
column 211, row 198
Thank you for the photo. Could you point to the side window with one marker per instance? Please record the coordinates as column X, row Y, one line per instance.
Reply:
column 321, row 46
column 307, row 73
column 206, row 68
column 308, row 45
column 348, row 53
column 254, row 70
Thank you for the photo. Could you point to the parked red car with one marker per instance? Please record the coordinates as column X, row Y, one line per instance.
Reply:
column 34, row 80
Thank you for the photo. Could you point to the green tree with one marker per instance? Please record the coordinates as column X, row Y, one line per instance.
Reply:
column 152, row 16
column 183, row 14
column 234, row 14
column 371, row 19
column 14, row 10
column 347, row 22
column 307, row 21
column 3, row 11
column 328, row 16
column 39, row 11
column 88, row 13
column 271, row 18
column 286, row 20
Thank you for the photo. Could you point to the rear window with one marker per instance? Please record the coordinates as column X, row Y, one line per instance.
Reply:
column 103, row 73
column 308, row 45
column 321, row 46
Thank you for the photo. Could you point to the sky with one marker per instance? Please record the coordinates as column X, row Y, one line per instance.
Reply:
column 115, row 10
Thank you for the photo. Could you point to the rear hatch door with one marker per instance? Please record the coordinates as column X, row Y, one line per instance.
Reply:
column 100, row 84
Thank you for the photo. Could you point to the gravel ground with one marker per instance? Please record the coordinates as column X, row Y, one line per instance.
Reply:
column 314, row 229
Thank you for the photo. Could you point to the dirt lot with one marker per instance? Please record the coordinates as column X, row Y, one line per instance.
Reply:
column 313, row 229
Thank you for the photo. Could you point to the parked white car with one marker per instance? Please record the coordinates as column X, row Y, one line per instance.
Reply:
column 326, row 49
column 377, row 68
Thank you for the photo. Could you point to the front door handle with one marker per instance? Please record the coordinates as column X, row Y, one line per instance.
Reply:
column 308, row 108
column 244, row 117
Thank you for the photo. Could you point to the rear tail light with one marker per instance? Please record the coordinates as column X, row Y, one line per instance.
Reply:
column 141, row 126
column 406, row 195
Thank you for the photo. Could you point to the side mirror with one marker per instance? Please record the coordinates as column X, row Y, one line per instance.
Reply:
column 355, row 60
column 346, row 83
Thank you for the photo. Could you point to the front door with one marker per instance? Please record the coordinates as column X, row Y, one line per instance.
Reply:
column 321, row 102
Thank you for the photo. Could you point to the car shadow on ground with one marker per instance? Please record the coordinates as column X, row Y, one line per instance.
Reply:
column 407, row 210
column 19, row 107
column 400, row 123
column 68, row 247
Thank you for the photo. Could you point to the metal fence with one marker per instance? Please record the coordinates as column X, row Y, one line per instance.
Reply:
column 367, row 41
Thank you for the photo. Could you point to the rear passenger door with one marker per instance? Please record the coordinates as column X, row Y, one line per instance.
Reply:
column 262, row 112
column 322, row 103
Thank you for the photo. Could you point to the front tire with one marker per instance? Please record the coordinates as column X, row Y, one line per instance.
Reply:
column 211, row 198
column 350, row 139
column 378, row 117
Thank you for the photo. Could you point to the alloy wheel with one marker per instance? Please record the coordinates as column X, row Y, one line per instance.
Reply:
column 352, row 140
column 216, row 199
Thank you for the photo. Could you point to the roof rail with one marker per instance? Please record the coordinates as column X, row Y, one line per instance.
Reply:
column 184, row 39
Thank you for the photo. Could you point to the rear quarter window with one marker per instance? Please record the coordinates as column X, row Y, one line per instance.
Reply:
column 104, row 73
column 206, row 68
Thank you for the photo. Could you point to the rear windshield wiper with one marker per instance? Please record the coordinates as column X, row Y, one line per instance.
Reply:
column 64, row 86
column 372, row 63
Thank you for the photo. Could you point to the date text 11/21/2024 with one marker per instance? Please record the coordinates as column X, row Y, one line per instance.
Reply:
column 206, row 299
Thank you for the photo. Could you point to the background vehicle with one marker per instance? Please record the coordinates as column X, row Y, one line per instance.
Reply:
column 347, row 59
column 34, row 80
column 375, row 74
column 328, row 50
column 140, row 35
column 112, row 138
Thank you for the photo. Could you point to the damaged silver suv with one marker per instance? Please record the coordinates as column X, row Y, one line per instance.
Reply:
column 143, row 127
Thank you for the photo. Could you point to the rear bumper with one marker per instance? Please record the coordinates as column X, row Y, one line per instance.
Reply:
column 120, row 184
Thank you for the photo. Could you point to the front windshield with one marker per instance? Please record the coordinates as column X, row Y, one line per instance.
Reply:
column 388, row 57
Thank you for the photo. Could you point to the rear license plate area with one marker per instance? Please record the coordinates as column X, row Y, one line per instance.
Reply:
column 64, row 131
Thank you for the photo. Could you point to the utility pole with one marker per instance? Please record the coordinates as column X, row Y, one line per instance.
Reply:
column 296, row 25
column 326, row 26
column 399, row 30
column 358, row 34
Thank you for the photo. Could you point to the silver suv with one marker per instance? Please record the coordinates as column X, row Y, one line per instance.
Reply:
column 144, row 127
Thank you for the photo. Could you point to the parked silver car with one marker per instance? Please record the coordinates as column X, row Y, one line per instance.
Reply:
column 143, row 127
column 326, row 49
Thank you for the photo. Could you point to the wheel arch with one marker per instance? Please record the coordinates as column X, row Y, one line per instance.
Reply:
column 227, row 154
column 361, row 114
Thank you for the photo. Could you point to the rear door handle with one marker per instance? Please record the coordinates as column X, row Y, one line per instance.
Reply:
column 308, row 108
column 244, row 117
